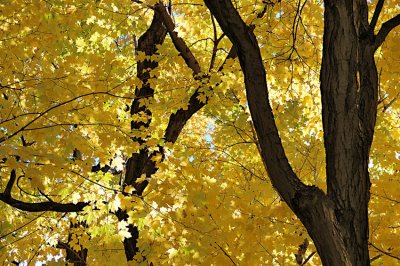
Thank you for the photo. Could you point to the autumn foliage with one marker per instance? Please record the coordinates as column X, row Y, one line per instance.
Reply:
column 126, row 134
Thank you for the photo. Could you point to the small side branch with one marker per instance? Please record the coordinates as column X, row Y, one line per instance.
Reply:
column 308, row 258
column 386, row 28
column 376, row 257
column 385, row 252
column 226, row 254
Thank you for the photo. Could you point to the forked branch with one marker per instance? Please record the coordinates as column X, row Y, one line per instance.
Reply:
column 36, row 206
column 386, row 28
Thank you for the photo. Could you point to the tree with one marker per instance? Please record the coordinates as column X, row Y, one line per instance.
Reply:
column 349, row 92
column 126, row 129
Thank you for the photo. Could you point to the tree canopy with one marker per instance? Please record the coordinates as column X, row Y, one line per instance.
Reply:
column 146, row 132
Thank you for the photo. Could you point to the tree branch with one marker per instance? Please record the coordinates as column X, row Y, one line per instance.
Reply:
column 279, row 170
column 41, row 114
column 385, row 252
column 226, row 254
column 301, row 251
column 386, row 28
column 308, row 258
column 147, row 43
column 309, row 203
column 10, row 184
column 376, row 257
column 37, row 206
column 141, row 162
column 375, row 17
column 42, row 206
column 179, row 43
column 178, row 120
column 135, row 166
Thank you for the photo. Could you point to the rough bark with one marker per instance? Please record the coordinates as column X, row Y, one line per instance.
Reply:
column 309, row 203
column 337, row 221
column 349, row 90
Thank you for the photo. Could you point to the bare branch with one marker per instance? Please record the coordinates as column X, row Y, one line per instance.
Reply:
column 11, row 135
column 375, row 17
column 226, row 254
column 37, row 206
column 376, row 257
column 387, row 198
column 216, row 41
column 386, row 28
column 385, row 252
column 308, row 257
column 42, row 206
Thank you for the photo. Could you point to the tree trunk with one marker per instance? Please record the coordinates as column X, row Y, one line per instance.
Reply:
column 136, row 164
column 349, row 87
column 337, row 221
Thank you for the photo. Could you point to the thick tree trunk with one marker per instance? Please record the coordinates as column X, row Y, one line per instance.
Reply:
column 349, row 86
column 317, row 214
column 337, row 221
